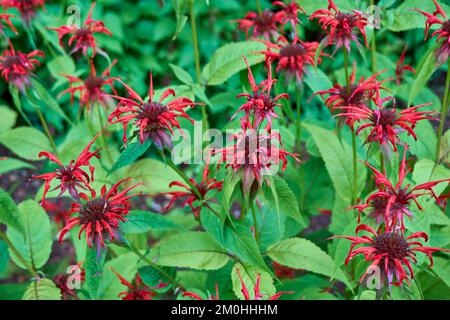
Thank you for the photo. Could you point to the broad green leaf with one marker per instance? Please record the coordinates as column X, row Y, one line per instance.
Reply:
column 228, row 60
column 304, row 254
column 61, row 65
column 249, row 276
column 229, row 185
column 441, row 269
column 131, row 153
column 317, row 80
column 180, row 7
column 196, row 250
column 139, row 221
column 17, row 103
column 26, row 142
column 94, row 267
column 35, row 242
column 181, row 74
column 42, row 289
column 8, row 118
column 10, row 164
column 425, row 171
column 423, row 148
column 9, row 213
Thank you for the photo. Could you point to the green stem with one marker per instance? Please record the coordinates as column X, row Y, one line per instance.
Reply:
column 445, row 103
column 46, row 129
column 355, row 169
column 205, row 124
column 347, row 78
column 17, row 253
column 255, row 221
column 381, row 162
column 258, row 6
column 103, row 139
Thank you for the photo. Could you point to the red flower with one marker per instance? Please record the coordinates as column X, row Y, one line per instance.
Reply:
column 443, row 52
column 290, row 12
column 27, row 8
column 254, row 155
column 339, row 26
column 92, row 89
column 83, row 37
column 400, row 68
column 386, row 123
column 357, row 96
column 265, row 25
column 391, row 202
column 62, row 281
column 389, row 251
column 16, row 67
column 152, row 119
column 190, row 196
column 137, row 290
column 292, row 57
column 259, row 106
column 196, row 296
column 257, row 294
column 99, row 217
column 7, row 19
column 57, row 210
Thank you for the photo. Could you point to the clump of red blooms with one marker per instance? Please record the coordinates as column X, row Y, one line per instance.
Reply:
column 443, row 33
column 260, row 106
column 152, row 119
column 137, row 290
column 390, row 251
column 340, row 27
column 76, row 274
column 290, row 12
column 190, row 196
column 4, row 17
column 292, row 57
column 391, row 202
column 266, row 24
column 17, row 67
column 354, row 96
column 400, row 68
column 72, row 176
column 26, row 8
column 83, row 38
column 385, row 123
column 92, row 89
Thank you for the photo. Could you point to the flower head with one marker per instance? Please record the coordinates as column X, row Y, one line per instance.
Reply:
column 72, row 176
column 264, row 25
column 82, row 38
column 152, row 119
column 190, row 196
column 391, row 202
column 340, row 27
column 57, row 210
column 4, row 17
column 400, row 68
column 62, row 280
column 443, row 52
column 17, row 67
column 389, row 251
column 92, row 89
column 291, row 57
column 137, row 290
column 27, row 8
column 259, row 105
column 257, row 294
column 99, row 217
column 290, row 11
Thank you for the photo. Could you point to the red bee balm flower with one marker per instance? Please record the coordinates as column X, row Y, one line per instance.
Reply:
column 290, row 12
column 83, row 37
column 27, row 8
column 257, row 294
column 393, row 201
column 292, row 57
column 137, row 290
column 152, row 118
column 71, row 176
column 190, row 196
column 400, row 68
column 390, row 252
column 7, row 19
column 91, row 89
column 99, row 217
column 339, row 26
column 386, row 123
column 16, row 67
column 265, row 25
column 260, row 105
column 443, row 52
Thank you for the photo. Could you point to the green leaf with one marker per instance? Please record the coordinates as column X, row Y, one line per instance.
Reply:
column 9, row 213
column 180, row 7
column 8, row 118
column 196, row 250
column 425, row 171
column 441, row 269
column 131, row 153
column 228, row 60
column 249, row 275
column 26, row 142
column 34, row 243
column 181, row 74
column 10, row 164
column 93, row 265
column 61, row 65
column 139, row 221
column 42, row 289
column 317, row 80
column 303, row 254
column 229, row 185
column 17, row 103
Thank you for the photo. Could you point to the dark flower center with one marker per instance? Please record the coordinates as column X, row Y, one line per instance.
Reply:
column 293, row 50
column 446, row 26
column 349, row 95
column 402, row 199
column 378, row 206
column 264, row 21
column 346, row 21
column 93, row 82
column 83, row 32
column 392, row 244
column 386, row 118
column 93, row 211
column 66, row 175
column 263, row 102
column 151, row 111
column 11, row 61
